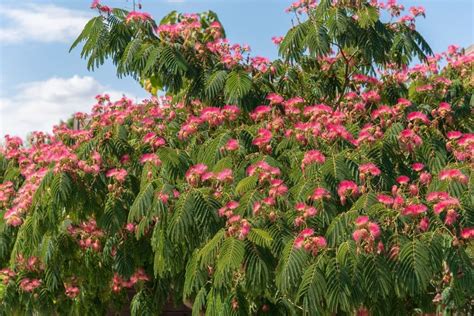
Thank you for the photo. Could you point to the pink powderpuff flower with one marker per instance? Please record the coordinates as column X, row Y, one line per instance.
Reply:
column 346, row 188
column 409, row 139
column 403, row 102
column 277, row 40
column 264, row 137
column 275, row 98
column 453, row 174
column 312, row 156
column 320, row 193
column 385, row 199
column 403, row 179
column 212, row 115
column 424, row 224
column 449, row 202
column 153, row 158
column 71, row 291
column 454, row 135
column 95, row 4
column 320, row 242
column 418, row 116
column 117, row 174
column 232, row 144
column 414, row 209
column 225, row 175
column 437, row 196
column 137, row 16
column 417, row 166
column 369, row 169
column 360, row 234
column 425, row 178
column 260, row 112
column 467, row 233
column 362, row 220
column 451, row 217
column 374, row 229
column 230, row 112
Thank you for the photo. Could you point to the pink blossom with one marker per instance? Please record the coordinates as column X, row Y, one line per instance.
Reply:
column 117, row 174
column 454, row 134
column 418, row 116
column 347, row 188
column 277, row 39
column 260, row 112
column 320, row 193
column 137, row 16
column 385, row 199
column 312, row 156
column 403, row 179
column 417, row 166
column 362, row 220
column 225, row 175
column 369, row 169
column 374, row 229
column 360, row 234
column 232, row 144
column 414, row 209
column 153, row 158
column 453, row 174
column 446, row 203
column 424, row 224
column 467, row 233
column 451, row 217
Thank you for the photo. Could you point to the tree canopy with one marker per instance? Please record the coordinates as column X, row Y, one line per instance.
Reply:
column 336, row 179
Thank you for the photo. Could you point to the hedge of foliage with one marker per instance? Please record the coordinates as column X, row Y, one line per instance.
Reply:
column 336, row 179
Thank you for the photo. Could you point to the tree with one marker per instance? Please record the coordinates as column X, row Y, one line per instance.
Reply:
column 336, row 179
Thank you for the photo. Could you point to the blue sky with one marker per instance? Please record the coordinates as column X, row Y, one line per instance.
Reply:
column 40, row 82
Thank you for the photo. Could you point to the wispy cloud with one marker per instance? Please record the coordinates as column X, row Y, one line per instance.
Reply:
column 37, row 106
column 40, row 23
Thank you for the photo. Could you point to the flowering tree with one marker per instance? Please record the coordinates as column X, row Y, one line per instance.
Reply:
column 333, row 180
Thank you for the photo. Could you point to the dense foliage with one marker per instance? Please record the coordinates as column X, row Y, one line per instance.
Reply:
column 333, row 180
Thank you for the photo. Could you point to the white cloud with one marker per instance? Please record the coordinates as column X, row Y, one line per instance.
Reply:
column 39, row 105
column 41, row 23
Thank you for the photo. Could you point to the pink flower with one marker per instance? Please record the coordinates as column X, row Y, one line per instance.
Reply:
column 437, row 196
column 467, row 233
column 453, row 174
column 418, row 116
column 117, row 174
column 360, row 234
column 414, row 209
column 454, row 134
column 312, row 156
column 260, row 112
column 230, row 112
column 346, row 188
column 369, row 168
column 264, row 137
column 385, row 199
column 137, row 16
column 424, row 224
column 417, row 166
column 232, row 144
column 153, row 158
column 212, row 115
column 320, row 193
column 277, row 39
column 275, row 98
column 362, row 220
column 451, row 217
column 225, row 175
column 306, row 232
column 449, row 202
column 374, row 229
column 403, row 179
